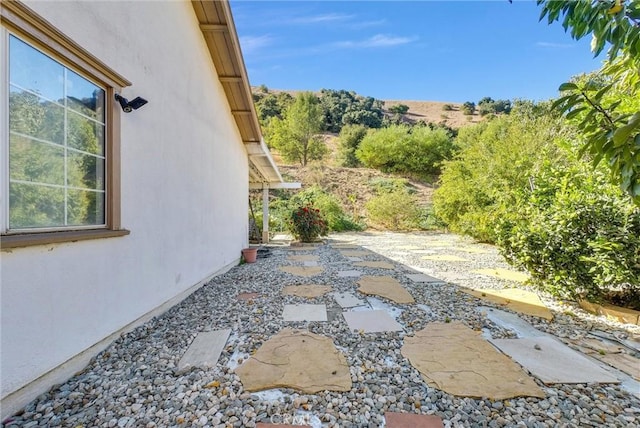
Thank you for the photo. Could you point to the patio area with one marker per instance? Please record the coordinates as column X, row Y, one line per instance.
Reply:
column 368, row 329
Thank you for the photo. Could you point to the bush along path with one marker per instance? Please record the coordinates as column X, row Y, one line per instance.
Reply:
column 368, row 329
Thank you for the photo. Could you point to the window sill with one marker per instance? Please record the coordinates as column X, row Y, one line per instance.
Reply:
column 45, row 238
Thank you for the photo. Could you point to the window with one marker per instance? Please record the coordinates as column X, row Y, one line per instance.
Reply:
column 56, row 143
column 59, row 135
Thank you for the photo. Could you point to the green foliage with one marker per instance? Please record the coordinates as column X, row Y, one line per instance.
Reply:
column 307, row 224
column 612, row 132
column 342, row 107
column 399, row 109
column 386, row 185
column 609, row 117
column 496, row 159
column 468, row 108
column 488, row 105
column 331, row 208
column 350, row 138
column 417, row 151
column 296, row 135
column 574, row 232
column 447, row 107
column 269, row 105
column 395, row 210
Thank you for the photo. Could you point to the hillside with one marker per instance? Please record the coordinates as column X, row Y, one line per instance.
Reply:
column 427, row 111
column 353, row 186
column 432, row 111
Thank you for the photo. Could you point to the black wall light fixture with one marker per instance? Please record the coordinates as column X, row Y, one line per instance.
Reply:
column 129, row 106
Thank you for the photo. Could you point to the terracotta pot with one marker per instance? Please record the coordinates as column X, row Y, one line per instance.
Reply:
column 250, row 255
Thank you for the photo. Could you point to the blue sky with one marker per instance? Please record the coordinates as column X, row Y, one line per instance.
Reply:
column 418, row 50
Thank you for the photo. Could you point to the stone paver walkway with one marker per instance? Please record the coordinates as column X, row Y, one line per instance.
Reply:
column 307, row 347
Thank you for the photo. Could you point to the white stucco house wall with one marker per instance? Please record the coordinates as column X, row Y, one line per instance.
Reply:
column 158, row 202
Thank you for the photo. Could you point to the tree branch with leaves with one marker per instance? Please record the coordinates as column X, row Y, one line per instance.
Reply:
column 607, row 108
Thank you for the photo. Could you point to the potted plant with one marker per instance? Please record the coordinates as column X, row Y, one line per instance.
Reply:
column 250, row 254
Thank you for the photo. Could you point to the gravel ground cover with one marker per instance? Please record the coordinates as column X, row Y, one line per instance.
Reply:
column 133, row 383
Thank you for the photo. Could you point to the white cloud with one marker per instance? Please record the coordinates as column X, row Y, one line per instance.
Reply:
column 320, row 19
column 552, row 45
column 253, row 43
column 367, row 24
column 377, row 41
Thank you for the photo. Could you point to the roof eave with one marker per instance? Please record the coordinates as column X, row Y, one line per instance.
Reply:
column 217, row 26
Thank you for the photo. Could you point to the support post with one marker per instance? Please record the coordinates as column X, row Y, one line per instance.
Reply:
column 265, row 214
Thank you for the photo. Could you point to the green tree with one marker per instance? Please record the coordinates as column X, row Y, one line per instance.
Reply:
column 399, row 109
column 468, row 108
column 270, row 105
column 346, row 107
column 350, row 138
column 296, row 136
column 612, row 132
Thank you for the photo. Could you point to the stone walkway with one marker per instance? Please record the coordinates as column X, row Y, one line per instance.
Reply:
column 371, row 329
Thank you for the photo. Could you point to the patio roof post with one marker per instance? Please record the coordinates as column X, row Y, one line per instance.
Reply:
column 265, row 214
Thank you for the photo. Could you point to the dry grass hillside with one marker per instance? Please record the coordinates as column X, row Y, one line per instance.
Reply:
column 432, row 111
column 353, row 186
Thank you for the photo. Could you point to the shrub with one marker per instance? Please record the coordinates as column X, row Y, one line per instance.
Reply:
column 395, row 210
column 307, row 224
column 331, row 208
column 468, row 108
column 384, row 185
column 575, row 232
column 399, row 109
column 495, row 161
column 350, row 138
column 447, row 107
column 417, row 151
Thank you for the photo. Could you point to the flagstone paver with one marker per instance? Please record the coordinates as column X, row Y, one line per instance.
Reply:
column 515, row 299
column 306, row 271
column 508, row 274
column 552, row 361
column 614, row 355
column 385, row 286
column 455, row 359
column 421, row 277
column 303, row 257
column 348, row 273
column 356, row 253
column 408, row 420
column 293, row 313
column 376, row 265
column 473, row 250
column 248, row 296
column 510, row 321
column 308, row 291
column 296, row 359
column 444, row 258
column 371, row 321
column 310, row 263
column 347, row 300
column 204, row 351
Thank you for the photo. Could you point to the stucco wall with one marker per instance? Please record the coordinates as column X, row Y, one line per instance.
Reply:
column 184, row 192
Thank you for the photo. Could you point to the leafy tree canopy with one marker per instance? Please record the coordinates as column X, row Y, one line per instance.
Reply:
column 611, row 127
column 295, row 136
column 346, row 107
